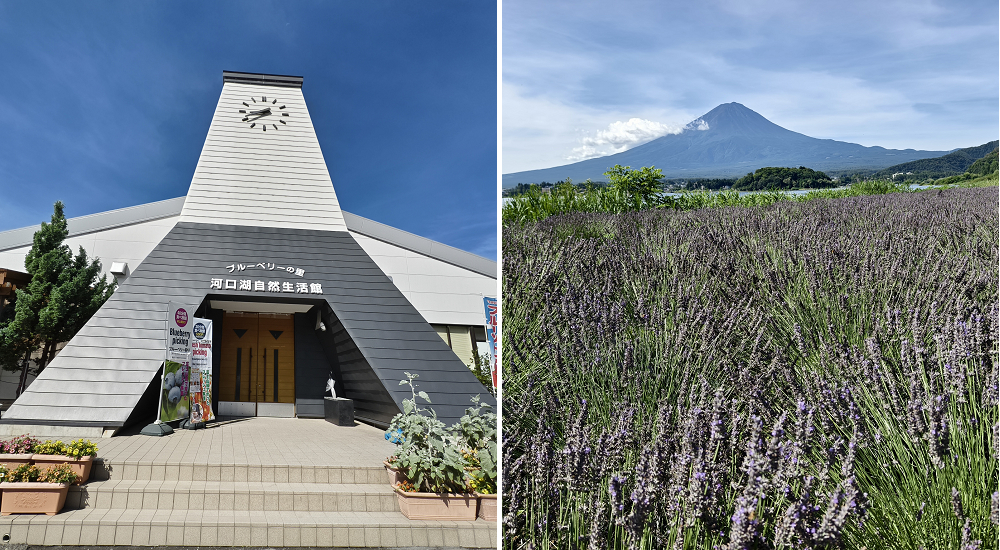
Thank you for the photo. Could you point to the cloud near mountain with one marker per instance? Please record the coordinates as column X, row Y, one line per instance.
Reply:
column 620, row 136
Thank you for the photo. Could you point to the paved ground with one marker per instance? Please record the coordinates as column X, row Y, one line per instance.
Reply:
column 256, row 440
column 244, row 483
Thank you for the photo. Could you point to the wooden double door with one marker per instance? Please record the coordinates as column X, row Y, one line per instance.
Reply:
column 258, row 358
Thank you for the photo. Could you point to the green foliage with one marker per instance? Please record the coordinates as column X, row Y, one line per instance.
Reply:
column 435, row 459
column 642, row 185
column 23, row 474
column 63, row 294
column 60, row 473
column 428, row 455
column 477, row 433
column 538, row 206
column 783, row 179
column 481, row 368
column 986, row 165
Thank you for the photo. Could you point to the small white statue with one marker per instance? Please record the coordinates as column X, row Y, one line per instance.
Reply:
column 329, row 386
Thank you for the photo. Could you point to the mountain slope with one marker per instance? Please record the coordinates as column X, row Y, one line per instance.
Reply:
column 953, row 163
column 737, row 140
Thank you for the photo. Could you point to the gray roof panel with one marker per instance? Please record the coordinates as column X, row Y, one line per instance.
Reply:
column 110, row 368
column 17, row 238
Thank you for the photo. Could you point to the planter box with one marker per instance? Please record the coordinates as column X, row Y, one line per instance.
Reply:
column 339, row 411
column 32, row 498
column 487, row 507
column 81, row 466
column 448, row 507
column 395, row 476
column 13, row 461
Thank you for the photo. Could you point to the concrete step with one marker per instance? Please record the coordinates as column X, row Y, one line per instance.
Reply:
column 120, row 526
column 227, row 495
column 186, row 471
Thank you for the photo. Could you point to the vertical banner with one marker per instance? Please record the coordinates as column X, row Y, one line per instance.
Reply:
column 491, row 333
column 174, row 402
column 200, row 383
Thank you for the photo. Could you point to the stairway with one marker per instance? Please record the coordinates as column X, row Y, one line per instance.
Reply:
column 152, row 501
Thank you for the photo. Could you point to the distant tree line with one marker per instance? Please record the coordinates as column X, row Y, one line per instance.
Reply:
column 711, row 184
column 783, row 179
column 524, row 188
column 954, row 163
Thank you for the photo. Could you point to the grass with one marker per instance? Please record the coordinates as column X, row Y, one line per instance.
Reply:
column 536, row 205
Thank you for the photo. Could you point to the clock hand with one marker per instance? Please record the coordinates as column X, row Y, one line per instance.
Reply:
column 267, row 111
column 262, row 115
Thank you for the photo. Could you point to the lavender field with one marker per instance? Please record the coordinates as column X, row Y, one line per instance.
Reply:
column 817, row 374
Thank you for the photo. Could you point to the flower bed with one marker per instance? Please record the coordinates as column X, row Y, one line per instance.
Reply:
column 804, row 375
column 435, row 469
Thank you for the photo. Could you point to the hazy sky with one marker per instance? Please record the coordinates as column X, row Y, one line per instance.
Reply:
column 584, row 79
column 107, row 104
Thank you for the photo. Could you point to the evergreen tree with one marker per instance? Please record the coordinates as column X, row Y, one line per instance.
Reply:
column 63, row 294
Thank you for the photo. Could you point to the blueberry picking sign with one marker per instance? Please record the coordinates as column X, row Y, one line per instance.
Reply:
column 174, row 401
column 200, row 382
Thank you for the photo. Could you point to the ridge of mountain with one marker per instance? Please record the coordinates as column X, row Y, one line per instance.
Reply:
column 951, row 164
column 729, row 141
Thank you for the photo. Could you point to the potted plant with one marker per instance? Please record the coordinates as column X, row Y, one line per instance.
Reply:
column 28, row 490
column 429, row 458
column 78, row 454
column 392, row 470
column 477, row 431
column 17, row 451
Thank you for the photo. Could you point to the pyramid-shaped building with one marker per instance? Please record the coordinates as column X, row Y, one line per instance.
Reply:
column 261, row 247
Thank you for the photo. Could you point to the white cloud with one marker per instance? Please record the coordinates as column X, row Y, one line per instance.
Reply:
column 620, row 136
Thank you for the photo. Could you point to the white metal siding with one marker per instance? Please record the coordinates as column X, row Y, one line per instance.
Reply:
column 249, row 177
column 131, row 244
column 443, row 293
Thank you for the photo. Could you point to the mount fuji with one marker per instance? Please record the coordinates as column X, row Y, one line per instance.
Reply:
column 729, row 141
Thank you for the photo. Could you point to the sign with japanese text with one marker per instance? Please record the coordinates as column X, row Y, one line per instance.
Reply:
column 200, row 382
column 491, row 333
column 174, row 384
column 242, row 282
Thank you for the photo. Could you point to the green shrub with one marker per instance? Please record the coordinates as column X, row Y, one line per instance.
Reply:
column 428, row 454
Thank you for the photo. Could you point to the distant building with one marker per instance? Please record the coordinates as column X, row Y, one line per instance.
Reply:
column 261, row 246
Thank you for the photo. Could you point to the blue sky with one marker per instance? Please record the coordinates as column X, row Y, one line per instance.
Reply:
column 107, row 104
column 587, row 78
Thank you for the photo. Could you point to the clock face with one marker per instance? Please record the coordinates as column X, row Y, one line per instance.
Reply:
column 264, row 113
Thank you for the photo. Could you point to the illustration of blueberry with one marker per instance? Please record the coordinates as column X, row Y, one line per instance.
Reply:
column 168, row 380
column 174, row 396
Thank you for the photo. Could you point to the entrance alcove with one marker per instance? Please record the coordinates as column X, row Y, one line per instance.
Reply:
column 273, row 358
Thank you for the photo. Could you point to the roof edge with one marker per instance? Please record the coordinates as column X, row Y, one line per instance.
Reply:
column 420, row 245
column 123, row 217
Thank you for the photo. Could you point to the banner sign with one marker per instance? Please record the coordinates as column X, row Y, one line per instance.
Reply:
column 200, row 383
column 174, row 385
column 491, row 333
